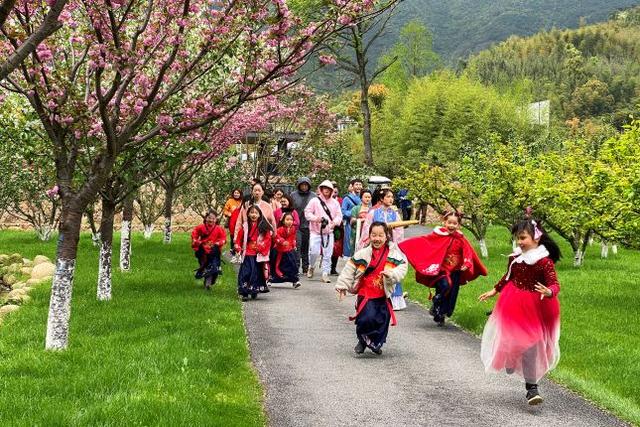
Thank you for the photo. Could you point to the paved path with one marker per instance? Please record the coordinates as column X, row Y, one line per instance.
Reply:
column 302, row 345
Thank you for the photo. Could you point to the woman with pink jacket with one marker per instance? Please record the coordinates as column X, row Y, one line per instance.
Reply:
column 323, row 214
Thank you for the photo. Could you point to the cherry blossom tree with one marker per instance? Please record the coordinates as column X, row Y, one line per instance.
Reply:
column 23, row 26
column 123, row 73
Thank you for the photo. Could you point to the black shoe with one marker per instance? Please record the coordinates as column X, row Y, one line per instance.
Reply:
column 533, row 396
column 334, row 273
column 296, row 285
column 245, row 298
column 439, row 320
column 254, row 296
column 377, row 351
column 359, row 348
column 199, row 274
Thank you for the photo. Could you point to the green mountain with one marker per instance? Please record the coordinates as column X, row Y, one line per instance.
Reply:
column 462, row 27
column 592, row 71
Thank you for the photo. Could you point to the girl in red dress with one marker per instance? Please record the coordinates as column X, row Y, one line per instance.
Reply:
column 207, row 241
column 253, row 242
column 284, row 268
column 523, row 330
column 444, row 260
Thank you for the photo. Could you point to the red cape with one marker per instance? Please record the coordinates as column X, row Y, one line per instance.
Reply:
column 426, row 254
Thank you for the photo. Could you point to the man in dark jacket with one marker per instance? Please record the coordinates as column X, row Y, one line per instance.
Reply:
column 301, row 198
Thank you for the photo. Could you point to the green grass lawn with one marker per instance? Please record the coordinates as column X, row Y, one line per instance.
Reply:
column 600, row 318
column 162, row 352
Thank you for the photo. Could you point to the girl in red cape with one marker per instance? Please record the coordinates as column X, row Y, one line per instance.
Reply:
column 207, row 240
column 522, row 334
column 284, row 267
column 443, row 260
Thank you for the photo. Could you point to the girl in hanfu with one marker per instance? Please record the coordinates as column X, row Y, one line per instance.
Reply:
column 386, row 213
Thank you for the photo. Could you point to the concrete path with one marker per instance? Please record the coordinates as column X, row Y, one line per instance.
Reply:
column 302, row 346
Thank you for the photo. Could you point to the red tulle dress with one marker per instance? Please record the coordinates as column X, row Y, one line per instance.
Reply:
column 522, row 334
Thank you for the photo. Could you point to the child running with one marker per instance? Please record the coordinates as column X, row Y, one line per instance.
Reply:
column 207, row 240
column 444, row 260
column 253, row 242
column 523, row 330
column 284, row 266
column 372, row 274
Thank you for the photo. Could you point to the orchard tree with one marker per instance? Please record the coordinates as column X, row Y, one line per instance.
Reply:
column 150, row 206
column 118, row 75
column 28, row 191
column 23, row 26
column 352, row 53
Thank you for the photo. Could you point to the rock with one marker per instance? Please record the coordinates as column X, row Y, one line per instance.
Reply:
column 20, row 299
column 19, row 285
column 14, row 268
column 27, row 262
column 42, row 270
column 17, row 292
column 40, row 259
column 4, row 259
column 26, row 271
column 15, row 258
column 9, row 308
column 9, row 279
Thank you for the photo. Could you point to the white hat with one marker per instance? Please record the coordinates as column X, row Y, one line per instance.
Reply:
column 326, row 183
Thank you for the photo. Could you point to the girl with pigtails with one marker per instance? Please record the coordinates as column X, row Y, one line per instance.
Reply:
column 522, row 334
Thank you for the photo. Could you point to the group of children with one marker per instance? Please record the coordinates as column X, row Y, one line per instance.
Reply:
column 521, row 335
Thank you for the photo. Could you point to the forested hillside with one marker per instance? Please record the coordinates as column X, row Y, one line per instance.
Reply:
column 587, row 72
column 462, row 27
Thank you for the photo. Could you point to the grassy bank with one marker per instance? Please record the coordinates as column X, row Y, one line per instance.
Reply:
column 600, row 303
column 162, row 352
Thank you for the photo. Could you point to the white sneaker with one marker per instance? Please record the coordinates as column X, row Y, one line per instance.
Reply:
column 310, row 272
column 325, row 278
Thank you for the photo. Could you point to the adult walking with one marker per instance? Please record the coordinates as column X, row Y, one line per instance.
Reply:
column 301, row 198
column 323, row 213
column 351, row 200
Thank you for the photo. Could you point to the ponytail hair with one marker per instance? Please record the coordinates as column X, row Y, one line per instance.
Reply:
column 537, row 232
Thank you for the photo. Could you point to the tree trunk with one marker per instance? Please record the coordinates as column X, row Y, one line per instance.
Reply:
column 483, row 248
column 125, row 235
column 168, row 206
column 604, row 249
column 62, row 286
column 95, row 234
column 366, row 123
column 614, row 249
column 44, row 232
column 148, row 230
column 104, row 266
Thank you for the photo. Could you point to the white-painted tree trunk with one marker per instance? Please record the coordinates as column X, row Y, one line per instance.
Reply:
column 514, row 245
column 591, row 241
column 483, row 248
column 60, row 305
column 604, row 250
column 578, row 258
column 44, row 232
column 614, row 249
column 125, row 246
column 148, row 231
column 96, row 239
column 104, row 272
column 167, row 230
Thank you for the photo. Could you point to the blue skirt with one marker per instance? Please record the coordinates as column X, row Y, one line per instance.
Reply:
column 251, row 277
column 288, row 267
column 372, row 323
